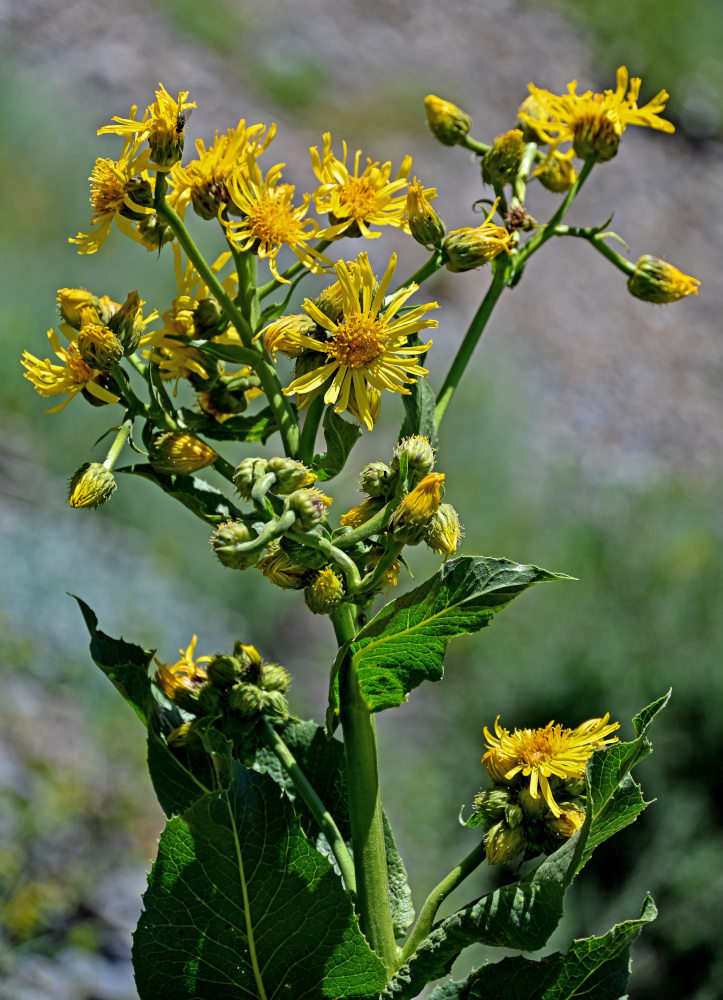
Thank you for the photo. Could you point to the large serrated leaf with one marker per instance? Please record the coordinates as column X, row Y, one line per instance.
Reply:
column 593, row 968
column 196, row 494
column 240, row 906
column 405, row 643
column 257, row 427
column 340, row 437
column 123, row 663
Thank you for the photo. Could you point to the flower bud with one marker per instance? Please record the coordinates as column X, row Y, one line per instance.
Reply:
column 576, row 788
column 409, row 521
column 284, row 333
column 376, row 479
column 491, row 804
column 444, row 531
column 275, row 678
column 72, row 302
column 290, row 475
column 208, row 701
column 180, row 453
column 420, row 457
column 597, row 134
column 503, row 844
column 153, row 232
column 310, row 507
column 127, row 323
column 246, row 699
column 359, row 515
column 106, row 381
column 246, row 474
column 654, row 280
column 224, row 671
column 90, row 486
column 567, row 823
column 425, row 224
column 468, row 248
column 325, row 592
column 208, row 320
column 535, row 808
column 250, row 661
column 281, row 569
column 98, row 346
column 529, row 109
column 513, row 815
column 503, row 159
column 184, row 735
column 447, row 122
column 166, row 143
column 226, row 542
column 556, row 173
column 138, row 191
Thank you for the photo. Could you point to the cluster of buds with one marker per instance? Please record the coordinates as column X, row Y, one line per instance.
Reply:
column 518, row 826
column 237, row 685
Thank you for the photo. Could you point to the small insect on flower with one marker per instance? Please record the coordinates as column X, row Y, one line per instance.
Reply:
column 182, row 119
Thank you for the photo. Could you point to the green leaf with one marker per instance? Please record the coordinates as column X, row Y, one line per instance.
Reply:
column 257, row 427
column 240, row 905
column 123, row 663
column 617, row 799
column 594, row 968
column 405, row 643
column 419, row 411
column 226, row 352
column 196, row 494
column 180, row 777
column 340, row 437
column 400, row 895
column 303, row 554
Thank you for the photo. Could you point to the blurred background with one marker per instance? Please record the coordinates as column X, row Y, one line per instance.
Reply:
column 586, row 439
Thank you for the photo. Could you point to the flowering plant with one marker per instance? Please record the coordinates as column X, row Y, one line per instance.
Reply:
column 277, row 871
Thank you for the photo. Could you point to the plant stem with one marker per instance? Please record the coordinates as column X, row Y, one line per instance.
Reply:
column 118, row 441
column 427, row 269
column 310, row 429
column 332, row 553
column 318, row 810
column 471, row 338
column 434, row 900
column 597, row 240
column 365, row 807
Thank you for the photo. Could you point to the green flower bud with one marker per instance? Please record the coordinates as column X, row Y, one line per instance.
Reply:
column 410, row 520
column 284, row 335
column 246, row 474
column 420, row 457
column 249, row 661
column 185, row 735
column 73, row 301
column 246, row 699
column 127, row 323
column 106, row 380
column 556, row 173
column 503, row 844
column 309, row 505
column 90, row 486
column 654, row 280
column 597, row 134
column 223, row 671
column 226, row 541
column 513, row 815
column 208, row 320
column 153, row 232
column 290, row 475
column 140, row 192
column 425, row 225
column 325, row 592
column 98, row 346
column 282, row 570
column 208, row 701
column 180, row 453
column 447, row 122
column 376, row 479
column 562, row 827
column 535, row 808
column 491, row 804
column 275, row 704
column 275, row 678
column 443, row 533
column 502, row 160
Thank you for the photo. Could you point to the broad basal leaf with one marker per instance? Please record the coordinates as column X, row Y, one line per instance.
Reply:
column 594, row 968
column 240, row 905
column 196, row 494
column 123, row 663
column 405, row 643
column 340, row 437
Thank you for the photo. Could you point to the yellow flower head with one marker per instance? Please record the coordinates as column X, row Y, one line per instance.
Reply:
column 72, row 376
column 281, row 569
column 163, row 125
column 468, row 248
column 654, row 280
column 120, row 192
column 269, row 219
column 541, row 754
column 444, row 532
column 366, row 347
column 183, row 677
column 356, row 200
column 594, row 123
column 424, row 224
column 283, row 334
column 180, row 453
column 90, row 486
column 325, row 592
column 204, row 182
column 420, row 505
column 359, row 515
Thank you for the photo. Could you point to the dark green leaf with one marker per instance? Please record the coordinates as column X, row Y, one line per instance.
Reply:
column 419, row 412
column 303, row 554
column 340, row 437
column 594, row 968
column 240, row 906
column 257, row 427
column 226, row 352
column 123, row 663
column 405, row 643
column 181, row 776
column 196, row 494
column 400, row 895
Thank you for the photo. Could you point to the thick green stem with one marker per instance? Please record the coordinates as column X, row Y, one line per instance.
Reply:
column 309, row 431
column 318, row 810
column 471, row 339
column 365, row 807
column 118, row 442
column 285, row 417
column 434, row 900
column 519, row 184
column 477, row 147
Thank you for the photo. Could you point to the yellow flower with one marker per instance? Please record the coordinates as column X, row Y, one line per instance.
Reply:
column 163, row 125
column 654, row 280
column 355, row 201
column 90, row 486
column 424, row 223
column 180, row 453
column 116, row 197
column 183, row 677
column 204, row 182
column 556, row 172
column 366, row 347
column 468, row 248
column 359, row 515
column 419, row 506
column 324, row 593
column 281, row 569
column 549, row 752
column 594, row 123
column 70, row 377
column 269, row 219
